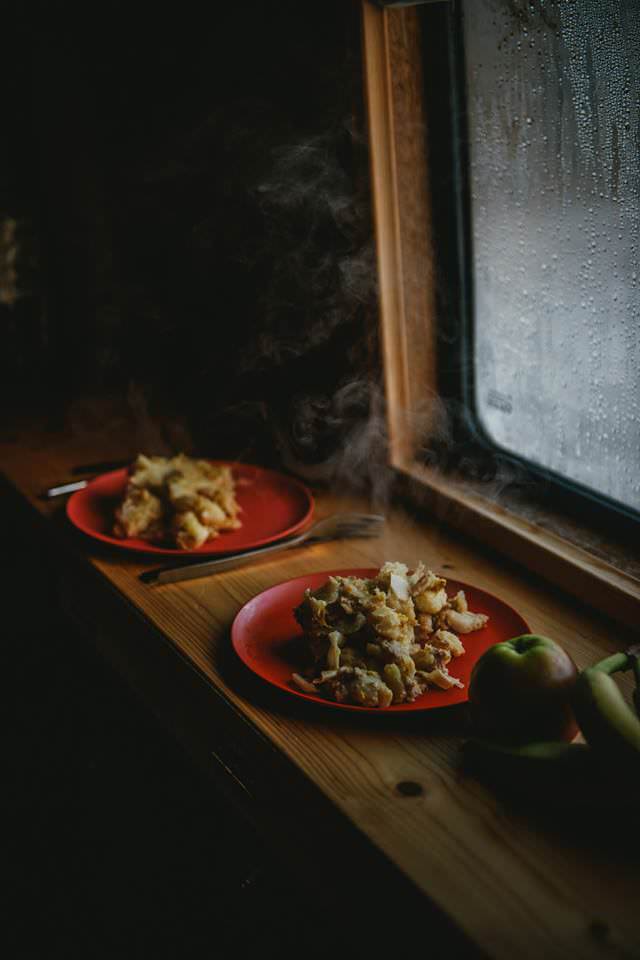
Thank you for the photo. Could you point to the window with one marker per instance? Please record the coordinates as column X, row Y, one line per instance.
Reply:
column 552, row 105
column 450, row 265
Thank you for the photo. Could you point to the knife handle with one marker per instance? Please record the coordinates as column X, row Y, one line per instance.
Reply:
column 193, row 570
column 63, row 488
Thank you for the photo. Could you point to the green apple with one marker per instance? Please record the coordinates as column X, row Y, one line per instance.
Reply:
column 520, row 691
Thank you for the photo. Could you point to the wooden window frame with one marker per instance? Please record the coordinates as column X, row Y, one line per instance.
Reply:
column 392, row 51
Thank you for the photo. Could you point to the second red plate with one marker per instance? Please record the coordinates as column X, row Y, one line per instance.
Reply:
column 273, row 506
column 264, row 635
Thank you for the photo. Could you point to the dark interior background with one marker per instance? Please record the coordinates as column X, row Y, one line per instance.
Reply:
column 184, row 244
column 192, row 219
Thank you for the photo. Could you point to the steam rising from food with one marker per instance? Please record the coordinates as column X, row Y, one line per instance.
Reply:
column 319, row 323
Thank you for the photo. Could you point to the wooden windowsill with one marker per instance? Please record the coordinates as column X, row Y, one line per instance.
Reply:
column 596, row 578
column 493, row 879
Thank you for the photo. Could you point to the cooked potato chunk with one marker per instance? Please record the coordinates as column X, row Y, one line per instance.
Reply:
column 385, row 640
column 177, row 500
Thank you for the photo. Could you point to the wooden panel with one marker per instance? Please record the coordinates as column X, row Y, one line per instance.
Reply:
column 402, row 220
column 511, row 884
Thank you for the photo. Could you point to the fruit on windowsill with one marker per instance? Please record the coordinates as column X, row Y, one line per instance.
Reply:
column 553, row 775
column 521, row 691
column 608, row 723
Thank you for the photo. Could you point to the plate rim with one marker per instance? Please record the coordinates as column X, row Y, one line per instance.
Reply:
column 394, row 710
column 147, row 548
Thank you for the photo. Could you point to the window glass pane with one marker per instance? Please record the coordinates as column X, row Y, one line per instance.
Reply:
column 554, row 142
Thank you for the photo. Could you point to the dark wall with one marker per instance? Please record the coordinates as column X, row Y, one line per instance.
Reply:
column 193, row 190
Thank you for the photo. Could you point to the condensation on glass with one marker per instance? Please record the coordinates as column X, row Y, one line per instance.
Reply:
column 553, row 98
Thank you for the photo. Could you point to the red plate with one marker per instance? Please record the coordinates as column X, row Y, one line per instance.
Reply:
column 273, row 506
column 264, row 634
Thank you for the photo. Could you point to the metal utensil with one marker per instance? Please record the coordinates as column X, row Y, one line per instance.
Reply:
column 94, row 469
column 336, row 527
column 63, row 488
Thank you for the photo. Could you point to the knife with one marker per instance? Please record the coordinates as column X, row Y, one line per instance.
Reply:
column 95, row 469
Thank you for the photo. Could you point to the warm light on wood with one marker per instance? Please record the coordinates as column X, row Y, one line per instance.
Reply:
column 319, row 782
column 402, row 219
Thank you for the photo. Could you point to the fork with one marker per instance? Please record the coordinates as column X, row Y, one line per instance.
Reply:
column 337, row 527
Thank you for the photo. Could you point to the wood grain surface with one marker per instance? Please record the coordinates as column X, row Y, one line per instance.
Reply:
column 398, row 152
column 512, row 883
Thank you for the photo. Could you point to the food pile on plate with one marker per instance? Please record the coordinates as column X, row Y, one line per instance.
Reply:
column 178, row 500
column 383, row 641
